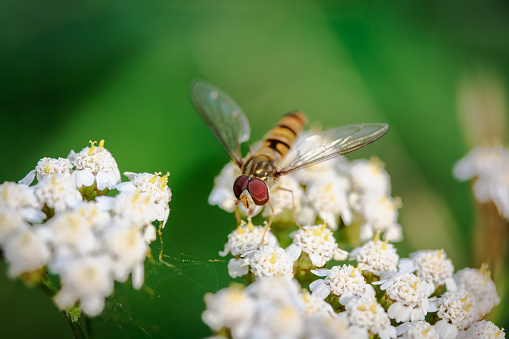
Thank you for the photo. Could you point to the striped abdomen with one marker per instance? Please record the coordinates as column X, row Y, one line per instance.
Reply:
column 282, row 136
column 262, row 164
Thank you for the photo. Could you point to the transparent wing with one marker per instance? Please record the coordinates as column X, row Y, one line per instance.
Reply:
column 224, row 117
column 311, row 147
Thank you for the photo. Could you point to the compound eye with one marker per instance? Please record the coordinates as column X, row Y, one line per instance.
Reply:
column 259, row 191
column 240, row 185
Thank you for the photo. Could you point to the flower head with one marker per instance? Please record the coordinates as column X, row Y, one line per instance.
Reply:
column 429, row 265
column 478, row 284
column 95, row 164
column 375, row 256
column 271, row 261
column 319, row 243
column 87, row 279
column 483, row 329
column 58, row 192
column 48, row 166
column 155, row 186
column 26, row 251
column 21, row 198
column 417, row 330
column 409, row 296
column 347, row 282
column 368, row 314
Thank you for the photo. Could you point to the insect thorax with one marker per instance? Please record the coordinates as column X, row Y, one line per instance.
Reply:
column 259, row 166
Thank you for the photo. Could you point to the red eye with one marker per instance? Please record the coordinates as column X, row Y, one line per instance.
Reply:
column 258, row 190
column 240, row 185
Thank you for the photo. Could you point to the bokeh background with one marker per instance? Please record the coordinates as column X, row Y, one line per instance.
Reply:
column 71, row 71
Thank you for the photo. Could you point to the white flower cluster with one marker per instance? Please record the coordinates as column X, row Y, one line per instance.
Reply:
column 376, row 294
column 329, row 190
column 489, row 166
column 362, row 299
column 65, row 224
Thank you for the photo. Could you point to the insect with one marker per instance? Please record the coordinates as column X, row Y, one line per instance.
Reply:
column 286, row 148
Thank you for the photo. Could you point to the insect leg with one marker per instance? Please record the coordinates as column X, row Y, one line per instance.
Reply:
column 293, row 205
column 267, row 226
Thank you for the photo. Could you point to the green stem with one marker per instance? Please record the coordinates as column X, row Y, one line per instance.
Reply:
column 75, row 319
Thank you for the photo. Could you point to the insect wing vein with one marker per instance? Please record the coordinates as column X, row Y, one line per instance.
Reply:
column 311, row 148
column 224, row 117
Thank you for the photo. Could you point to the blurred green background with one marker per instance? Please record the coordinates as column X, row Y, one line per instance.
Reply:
column 71, row 71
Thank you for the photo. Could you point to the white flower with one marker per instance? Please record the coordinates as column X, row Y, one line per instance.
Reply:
column 319, row 243
column 230, row 307
column 87, row 279
column 271, row 261
column 246, row 238
column 380, row 214
column 155, row 186
column 345, row 281
column 417, row 330
column 95, row 164
column 58, row 192
column 334, row 328
column 456, row 311
column 316, row 306
column 481, row 161
column 69, row 232
column 134, row 207
column 429, row 265
column 92, row 213
column 11, row 223
column 328, row 197
column 26, row 251
column 409, row 295
column 483, row 329
column 375, row 256
column 128, row 250
column 479, row 285
column 321, row 170
column 48, row 166
column 370, row 315
column 22, row 199
column 288, row 195
column 369, row 177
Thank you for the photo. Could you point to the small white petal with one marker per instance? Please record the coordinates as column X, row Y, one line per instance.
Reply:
column 321, row 272
column 28, row 179
column 293, row 251
column 236, row 268
column 320, row 289
column 84, row 178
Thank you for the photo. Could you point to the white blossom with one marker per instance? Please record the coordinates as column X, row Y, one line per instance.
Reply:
column 409, row 295
column 155, row 186
column 87, row 279
column 416, row 330
column 347, row 282
column 319, row 243
column 431, row 266
column 58, row 192
column 369, row 315
column 11, row 223
column 337, row 327
column 478, row 284
column 369, row 177
column 26, row 251
column 271, row 261
column 133, row 206
column 483, row 329
column 95, row 164
column 456, row 311
column 380, row 213
column 127, row 247
column 230, row 307
column 21, row 198
column 375, row 256
column 328, row 197
column 48, row 166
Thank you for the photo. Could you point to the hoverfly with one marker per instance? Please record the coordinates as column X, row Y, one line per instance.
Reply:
column 286, row 148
